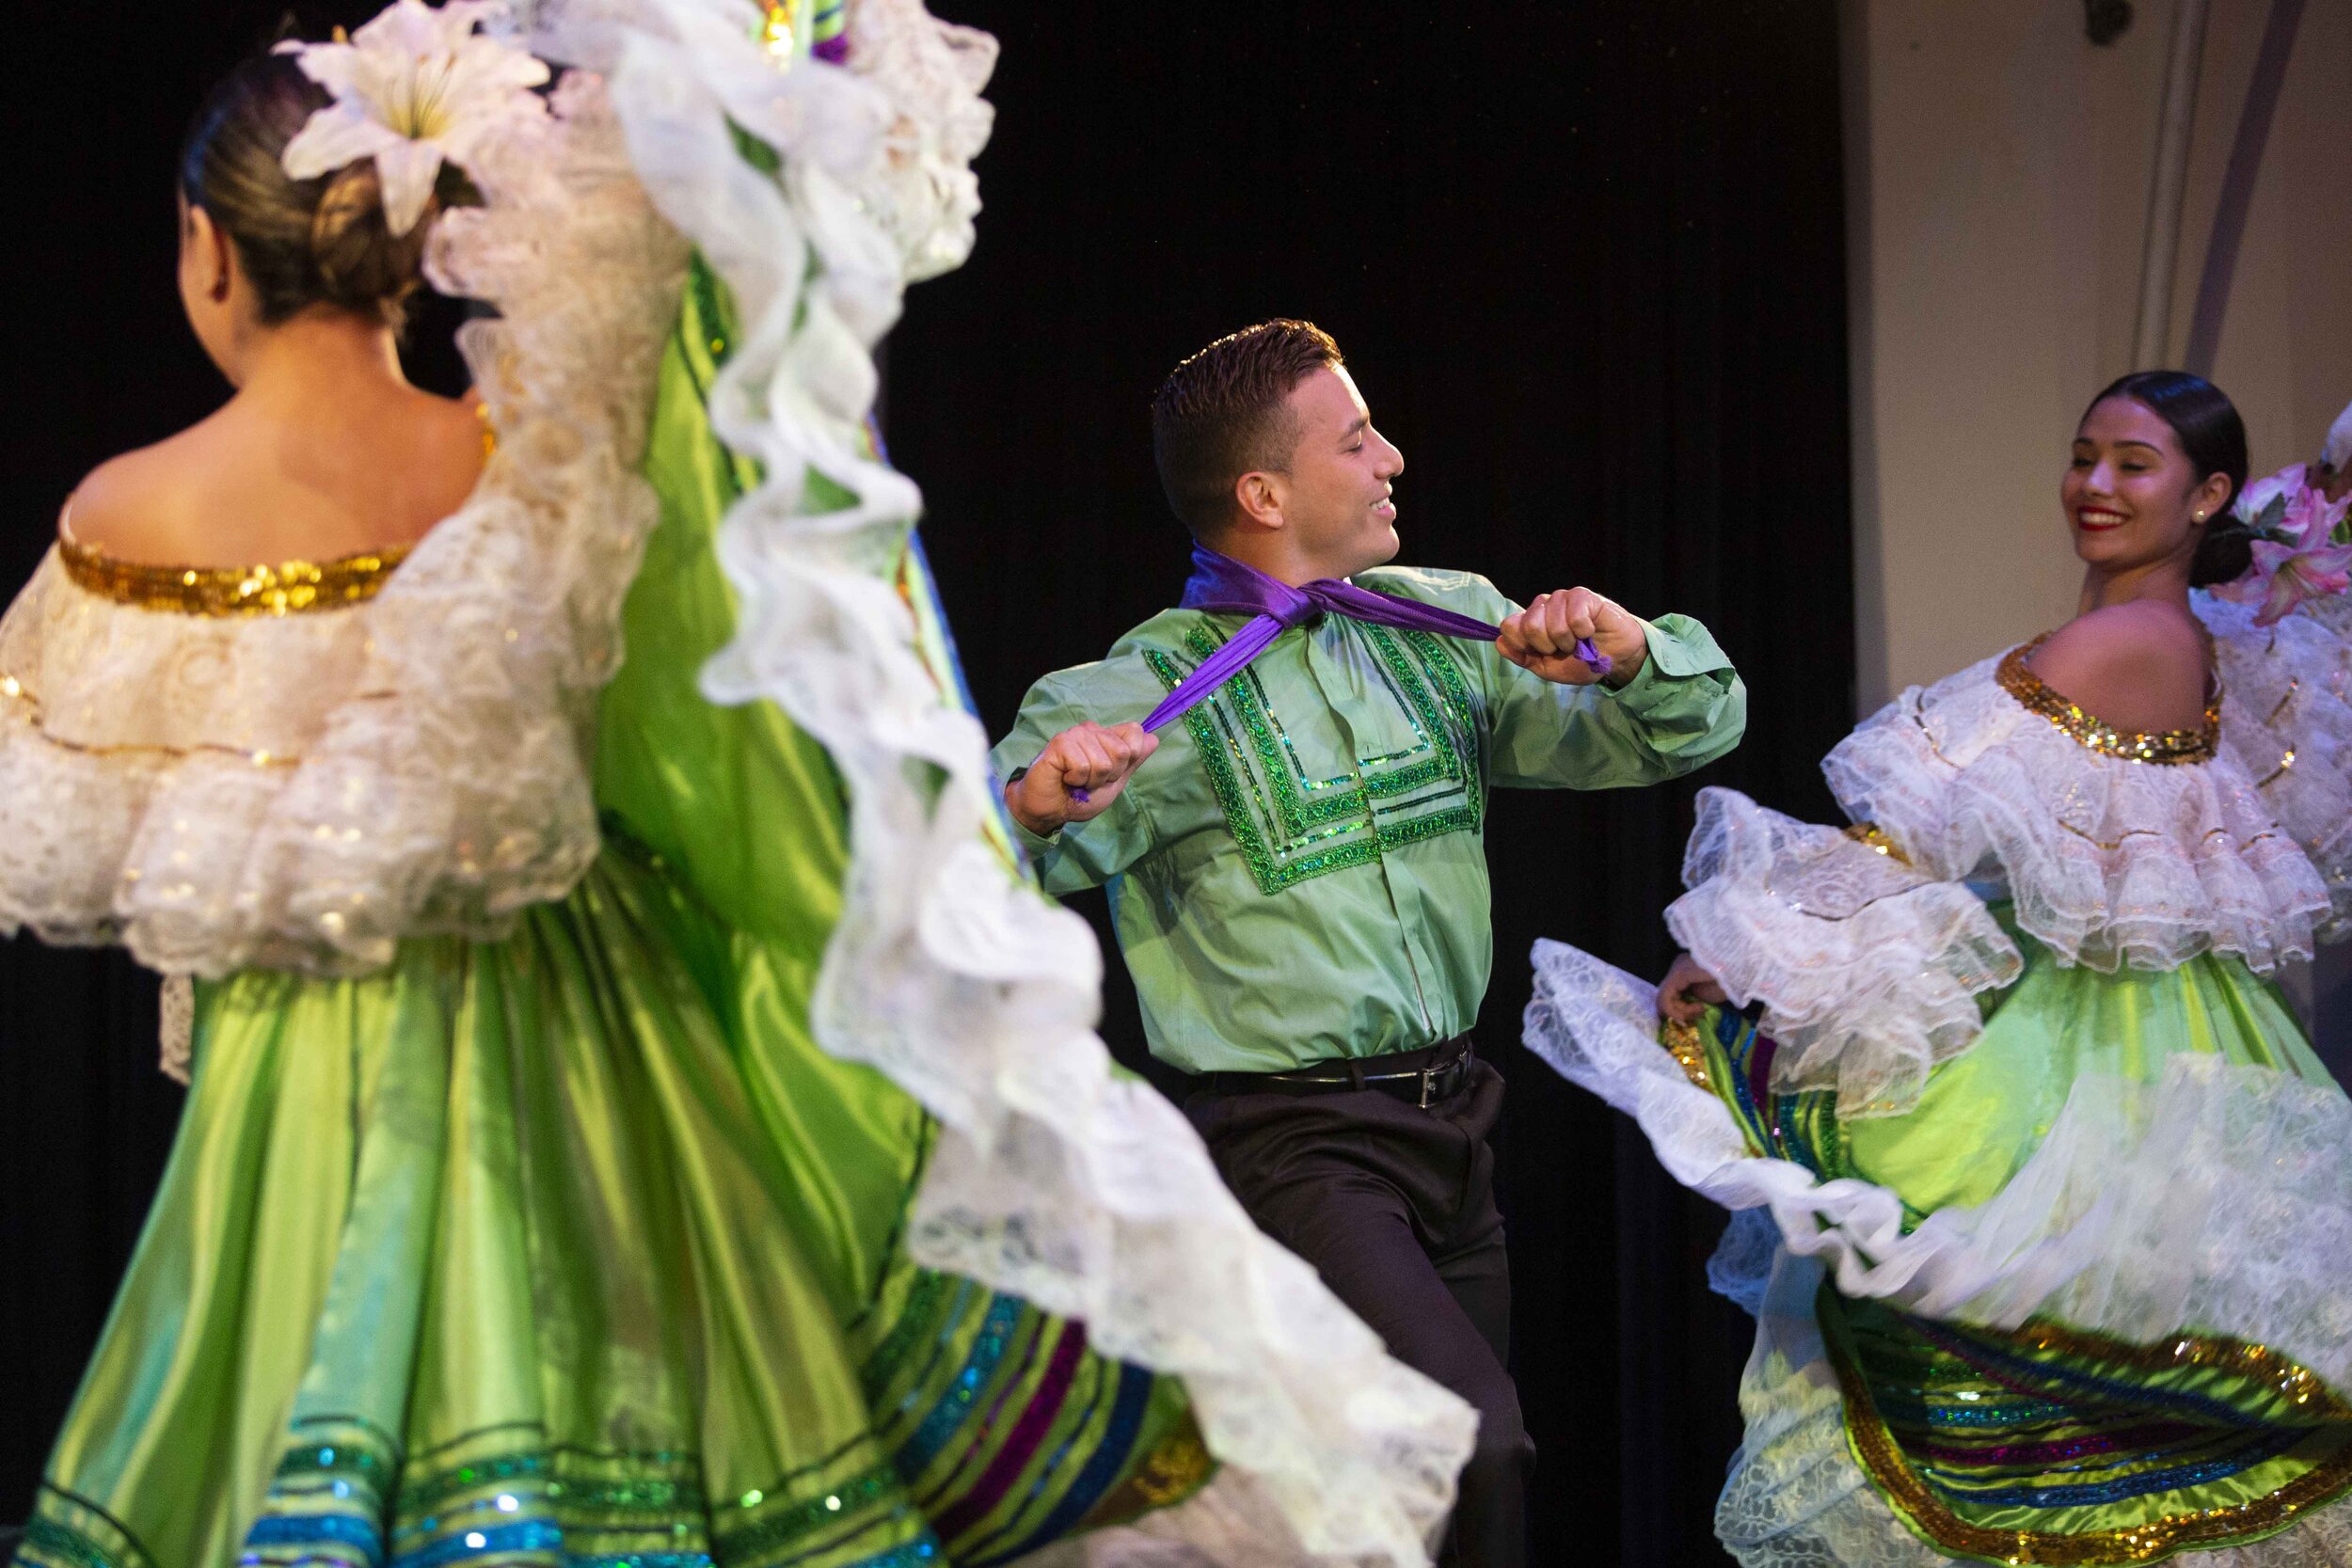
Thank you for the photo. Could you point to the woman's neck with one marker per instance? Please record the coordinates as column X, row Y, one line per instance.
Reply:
column 319, row 362
column 2162, row 581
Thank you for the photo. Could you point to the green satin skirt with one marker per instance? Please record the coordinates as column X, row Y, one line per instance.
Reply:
column 576, row 1248
column 563, row 1245
column 2052, row 1444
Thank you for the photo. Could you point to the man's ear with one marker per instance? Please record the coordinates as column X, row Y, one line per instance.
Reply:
column 1259, row 496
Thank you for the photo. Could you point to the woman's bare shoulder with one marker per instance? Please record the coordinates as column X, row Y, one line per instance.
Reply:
column 225, row 493
column 2137, row 666
column 134, row 506
column 451, row 441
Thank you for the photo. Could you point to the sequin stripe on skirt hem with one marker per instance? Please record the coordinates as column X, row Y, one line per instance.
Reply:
column 499, row 1495
column 996, row 1431
column 1960, row 1430
column 66, row 1531
column 1012, row 1433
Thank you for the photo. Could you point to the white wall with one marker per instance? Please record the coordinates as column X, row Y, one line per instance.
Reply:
column 1997, row 173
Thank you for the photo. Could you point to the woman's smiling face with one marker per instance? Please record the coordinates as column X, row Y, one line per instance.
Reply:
column 2132, row 497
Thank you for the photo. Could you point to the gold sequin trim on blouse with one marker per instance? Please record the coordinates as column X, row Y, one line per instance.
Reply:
column 289, row 588
column 2017, row 678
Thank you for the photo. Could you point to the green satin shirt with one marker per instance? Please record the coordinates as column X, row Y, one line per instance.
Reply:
column 1299, row 872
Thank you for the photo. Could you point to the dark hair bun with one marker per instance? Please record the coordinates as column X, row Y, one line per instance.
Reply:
column 361, row 265
column 302, row 243
column 2223, row 555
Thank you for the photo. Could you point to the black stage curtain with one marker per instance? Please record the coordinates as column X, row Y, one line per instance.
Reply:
column 1587, row 261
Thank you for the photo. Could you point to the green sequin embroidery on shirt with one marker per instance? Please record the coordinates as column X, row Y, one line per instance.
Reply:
column 1457, row 696
column 1287, row 827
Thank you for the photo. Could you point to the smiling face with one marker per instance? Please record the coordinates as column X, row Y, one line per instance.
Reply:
column 2132, row 498
column 1335, row 498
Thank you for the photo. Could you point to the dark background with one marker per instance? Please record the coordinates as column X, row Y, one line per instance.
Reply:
column 1586, row 263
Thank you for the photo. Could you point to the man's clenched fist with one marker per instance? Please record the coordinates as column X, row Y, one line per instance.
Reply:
column 1542, row 637
column 1077, row 776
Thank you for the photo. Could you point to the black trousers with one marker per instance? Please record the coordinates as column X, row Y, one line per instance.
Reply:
column 1394, row 1206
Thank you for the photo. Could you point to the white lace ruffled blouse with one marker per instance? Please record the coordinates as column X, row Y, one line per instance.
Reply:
column 166, row 778
column 296, row 766
column 2290, row 726
column 2218, row 1195
column 1869, row 946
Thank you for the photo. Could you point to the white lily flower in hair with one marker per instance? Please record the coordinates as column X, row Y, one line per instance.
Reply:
column 414, row 88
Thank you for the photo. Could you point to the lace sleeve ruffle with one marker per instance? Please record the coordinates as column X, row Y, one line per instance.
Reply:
column 2220, row 1195
column 2289, row 723
column 1868, row 969
column 2109, row 861
column 301, row 791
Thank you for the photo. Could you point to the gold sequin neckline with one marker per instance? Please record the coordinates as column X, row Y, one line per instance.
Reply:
column 2168, row 747
column 288, row 588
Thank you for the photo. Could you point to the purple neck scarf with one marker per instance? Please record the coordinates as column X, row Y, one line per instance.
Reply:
column 1222, row 583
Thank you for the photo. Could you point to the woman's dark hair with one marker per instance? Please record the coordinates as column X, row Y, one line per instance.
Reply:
column 301, row 242
column 2212, row 438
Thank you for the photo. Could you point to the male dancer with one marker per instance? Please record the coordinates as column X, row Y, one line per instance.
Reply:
column 1300, row 888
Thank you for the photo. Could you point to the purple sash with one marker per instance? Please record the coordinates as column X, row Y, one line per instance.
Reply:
column 1222, row 583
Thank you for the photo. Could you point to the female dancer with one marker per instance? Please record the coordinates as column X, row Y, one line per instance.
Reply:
column 2064, row 1200
column 527, row 1205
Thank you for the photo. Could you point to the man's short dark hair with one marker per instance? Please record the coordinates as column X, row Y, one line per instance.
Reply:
column 1223, row 413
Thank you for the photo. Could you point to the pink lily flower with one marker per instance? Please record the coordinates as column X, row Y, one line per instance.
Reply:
column 2295, row 576
column 2302, row 559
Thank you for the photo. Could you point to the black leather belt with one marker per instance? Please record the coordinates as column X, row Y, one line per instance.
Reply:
column 1423, row 1076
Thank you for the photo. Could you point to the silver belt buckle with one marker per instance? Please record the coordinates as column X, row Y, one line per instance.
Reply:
column 1428, row 1075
